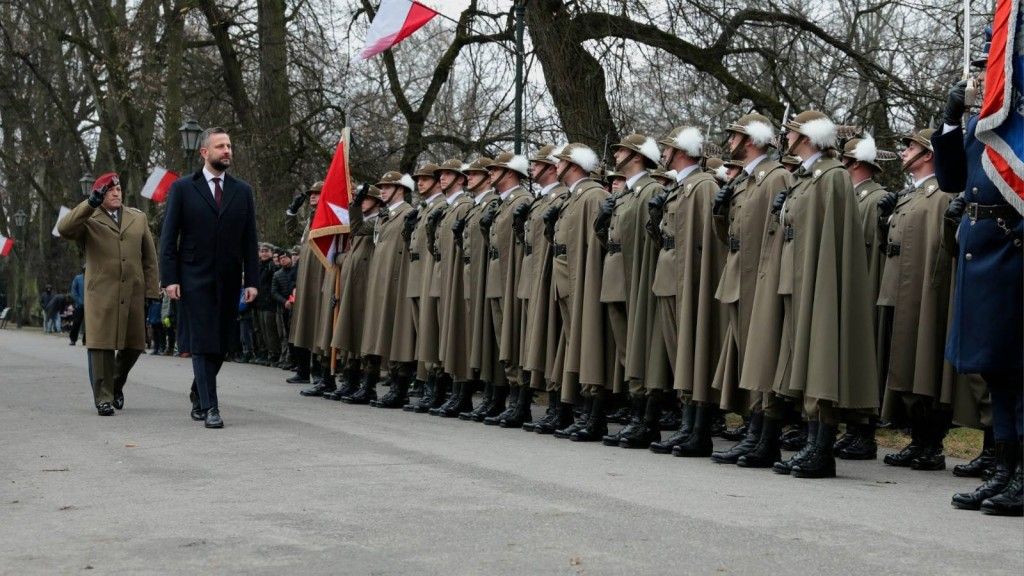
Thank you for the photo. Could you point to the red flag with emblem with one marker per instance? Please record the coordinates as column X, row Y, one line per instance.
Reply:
column 331, row 217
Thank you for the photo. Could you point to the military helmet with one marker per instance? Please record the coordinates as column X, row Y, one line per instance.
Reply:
column 661, row 174
column 756, row 127
column 479, row 165
column 862, row 150
column 514, row 162
column 580, row 155
column 450, row 165
column 791, row 160
column 922, row 137
column 374, row 192
column 316, row 188
column 816, row 126
column 545, row 154
column 645, row 146
column 687, row 139
column 397, row 179
column 425, row 171
column 713, row 163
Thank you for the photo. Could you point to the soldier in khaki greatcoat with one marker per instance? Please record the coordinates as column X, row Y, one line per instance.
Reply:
column 120, row 275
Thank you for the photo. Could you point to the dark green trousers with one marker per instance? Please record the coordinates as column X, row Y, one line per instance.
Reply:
column 108, row 371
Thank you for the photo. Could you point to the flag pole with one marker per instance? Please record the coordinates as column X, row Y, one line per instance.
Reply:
column 341, row 246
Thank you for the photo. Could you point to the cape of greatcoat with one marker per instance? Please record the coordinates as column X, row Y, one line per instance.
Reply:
column 309, row 283
column 388, row 317
column 355, row 266
column 454, row 309
column 535, row 287
column 483, row 349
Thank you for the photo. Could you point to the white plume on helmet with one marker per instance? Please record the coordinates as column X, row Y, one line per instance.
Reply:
column 722, row 173
column 821, row 132
column 865, row 150
column 553, row 157
column 520, row 164
column 691, row 141
column 585, row 158
column 760, row 134
column 406, row 181
column 650, row 150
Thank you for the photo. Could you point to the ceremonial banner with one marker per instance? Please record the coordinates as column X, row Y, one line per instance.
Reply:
column 158, row 184
column 5, row 245
column 395, row 21
column 1001, row 121
column 331, row 217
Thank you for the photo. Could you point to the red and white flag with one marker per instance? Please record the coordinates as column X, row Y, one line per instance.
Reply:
column 395, row 21
column 158, row 184
column 5, row 245
column 331, row 217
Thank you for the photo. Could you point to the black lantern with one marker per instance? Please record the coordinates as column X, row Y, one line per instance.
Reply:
column 190, row 132
column 85, row 184
column 19, row 220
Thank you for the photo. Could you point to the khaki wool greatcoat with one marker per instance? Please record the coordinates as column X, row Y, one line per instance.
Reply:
column 483, row 349
column 387, row 325
column 538, row 345
column 454, row 310
column 120, row 273
column 355, row 267
column 309, row 283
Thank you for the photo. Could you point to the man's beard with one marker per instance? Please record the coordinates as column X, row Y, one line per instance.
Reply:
column 221, row 165
column 739, row 153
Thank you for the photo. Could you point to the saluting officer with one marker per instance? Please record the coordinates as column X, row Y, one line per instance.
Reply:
column 309, row 280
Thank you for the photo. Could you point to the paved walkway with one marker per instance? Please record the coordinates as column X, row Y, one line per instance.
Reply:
column 305, row 486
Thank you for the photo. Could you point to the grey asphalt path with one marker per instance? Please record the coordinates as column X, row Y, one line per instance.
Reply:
column 306, row 486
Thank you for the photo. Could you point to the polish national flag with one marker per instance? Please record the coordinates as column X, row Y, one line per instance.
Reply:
column 158, row 183
column 394, row 22
column 5, row 245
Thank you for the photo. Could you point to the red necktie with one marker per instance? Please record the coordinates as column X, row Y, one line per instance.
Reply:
column 217, row 191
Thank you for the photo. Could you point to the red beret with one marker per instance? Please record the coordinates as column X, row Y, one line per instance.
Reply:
column 106, row 181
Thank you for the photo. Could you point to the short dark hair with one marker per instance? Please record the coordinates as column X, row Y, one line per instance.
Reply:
column 204, row 138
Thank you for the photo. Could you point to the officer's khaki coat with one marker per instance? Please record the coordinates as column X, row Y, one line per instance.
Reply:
column 387, row 325
column 537, row 344
column 120, row 273
column 355, row 266
column 307, row 309
column 454, row 314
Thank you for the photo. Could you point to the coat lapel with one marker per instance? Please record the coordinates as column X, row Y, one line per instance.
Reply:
column 229, row 192
column 101, row 216
column 203, row 189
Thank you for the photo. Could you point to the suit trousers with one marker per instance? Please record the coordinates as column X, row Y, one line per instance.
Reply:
column 108, row 371
column 205, row 367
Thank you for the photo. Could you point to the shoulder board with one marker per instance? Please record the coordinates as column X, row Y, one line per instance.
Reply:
column 136, row 210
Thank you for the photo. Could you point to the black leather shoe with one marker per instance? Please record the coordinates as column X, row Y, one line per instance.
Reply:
column 549, row 413
column 453, row 400
column 699, row 444
column 766, row 453
column 786, row 466
column 977, row 467
column 366, row 393
column 318, row 389
column 503, row 394
column 688, row 415
column 862, row 448
column 931, row 459
column 820, row 463
column 298, row 380
column 119, row 401
column 637, row 404
column 481, row 408
column 642, row 435
column 105, row 409
column 462, row 401
column 1004, row 455
column 561, row 421
column 1009, row 502
column 576, row 426
column 396, row 397
column 732, row 455
column 198, row 414
column 844, row 441
column 904, row 457
column 594, row 430
column 213, row 419
column 521, row 413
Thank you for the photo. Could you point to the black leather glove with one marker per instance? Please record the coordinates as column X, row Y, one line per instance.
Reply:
column 361, row 191
column 519, row 217
column 96, row 198
column 604, row 215
column 956, row 104
column 779, row 200
column 410, row 224
column 457, row 230
column 297, row 203
column 955, row 211
column 656, row 211
column 722, row 199
column 887, row 204
column 550, row 218
column 490, row 213
column 432, row 222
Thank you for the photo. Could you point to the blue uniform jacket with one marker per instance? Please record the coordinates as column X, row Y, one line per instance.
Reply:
column 987, row 323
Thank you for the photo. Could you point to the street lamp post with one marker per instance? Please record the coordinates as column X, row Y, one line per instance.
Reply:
column 20, row 219
column 190, row 132
column 85, row 183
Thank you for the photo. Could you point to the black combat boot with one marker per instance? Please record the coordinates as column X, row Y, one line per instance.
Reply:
column 509, row 392
column 718, row 424
column 1005, row 455
column 521, row 413
column 863, row 446
column 699, row 443
column 688, row 415
column 846, row 439
column 579, row 423
column 367, row 391
column 463, row 401
column 426, row 397
column 482, row 407
column 348, row 384
column 549, row 413
column 820, row 463
column 984, row 462
column 324, row 386
column 671, row 419
column 766, row 452
column 795, row 437
column 597, row 423
column 1009, row 502
column 933, row 457
column 453, row 399
column 417, row 389
column 560, row 420
column 397, row 396
column 637, row 404
column 732, row 455
column 738, row 433
column 440, row 396
column 620, row 409
column 646, row 432
column 904, row 457
column 786, row 466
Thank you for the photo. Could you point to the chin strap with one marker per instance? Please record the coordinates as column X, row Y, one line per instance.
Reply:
column 906, row 165
column 621, row 165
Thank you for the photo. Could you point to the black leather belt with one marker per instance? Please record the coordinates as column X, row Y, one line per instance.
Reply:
column 561, row 249
column 734, row 244
column 493, row 253
column 414, row 256
column 527, row 249
column 614, row 248
column 984, row 212
column 892, row 249
column 668, row 242
column 788, row 233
